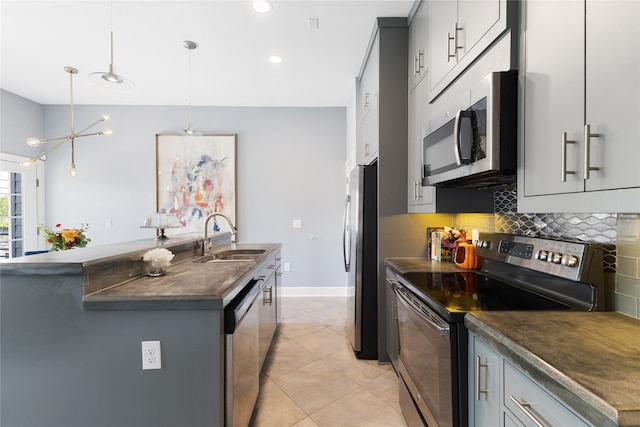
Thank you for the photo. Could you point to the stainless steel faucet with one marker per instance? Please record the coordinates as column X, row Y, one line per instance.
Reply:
column 205, row 243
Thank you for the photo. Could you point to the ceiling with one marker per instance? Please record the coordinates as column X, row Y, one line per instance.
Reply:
column 229, row 67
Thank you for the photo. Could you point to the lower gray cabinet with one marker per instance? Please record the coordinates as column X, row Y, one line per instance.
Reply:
column 267, row 308
column 500, row 394
column 484, row 384
column 393, row 346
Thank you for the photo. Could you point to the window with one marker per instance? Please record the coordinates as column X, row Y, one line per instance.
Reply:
column 20, row 199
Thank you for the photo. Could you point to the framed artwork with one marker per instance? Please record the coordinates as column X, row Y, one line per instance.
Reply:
column 195, row 177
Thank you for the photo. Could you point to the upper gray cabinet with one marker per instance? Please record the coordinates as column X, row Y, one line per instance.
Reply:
column 367, row 107
column 419, row 45
column 579, row 106
column 459, row 31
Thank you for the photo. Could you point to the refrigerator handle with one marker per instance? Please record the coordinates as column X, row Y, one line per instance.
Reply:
column 346, row 236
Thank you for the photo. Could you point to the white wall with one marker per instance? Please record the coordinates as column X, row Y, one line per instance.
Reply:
column 290, row 166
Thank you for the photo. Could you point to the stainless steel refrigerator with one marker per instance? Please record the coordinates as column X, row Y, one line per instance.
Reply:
column 360, row 242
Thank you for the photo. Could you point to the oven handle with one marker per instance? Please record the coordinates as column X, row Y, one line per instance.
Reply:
column 418, row 308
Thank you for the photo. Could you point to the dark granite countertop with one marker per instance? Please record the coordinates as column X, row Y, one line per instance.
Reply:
column 186, row 285
column 589, row 360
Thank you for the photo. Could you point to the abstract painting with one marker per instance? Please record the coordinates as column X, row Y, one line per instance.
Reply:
column 195, row 177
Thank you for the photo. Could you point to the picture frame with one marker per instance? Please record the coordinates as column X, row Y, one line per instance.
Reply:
column 195, row 177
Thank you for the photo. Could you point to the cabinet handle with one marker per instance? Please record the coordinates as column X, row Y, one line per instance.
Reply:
column 418, row 62
column 479, row 365
column 455, row 43
column 269, row 301
column 587, row 150
column 524, row 407
column 563, row 168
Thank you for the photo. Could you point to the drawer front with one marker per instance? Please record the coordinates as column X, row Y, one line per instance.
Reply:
column 532, row 405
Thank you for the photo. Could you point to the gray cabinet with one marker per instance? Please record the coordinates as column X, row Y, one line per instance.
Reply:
column 267, row 307
column 500, row 394
column 418, row 44
column 367, row 112
column 484, row 384
column 579, row 122
column 393, row 344
column 459, row 31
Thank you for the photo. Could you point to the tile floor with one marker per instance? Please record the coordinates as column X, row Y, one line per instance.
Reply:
column 312, row 378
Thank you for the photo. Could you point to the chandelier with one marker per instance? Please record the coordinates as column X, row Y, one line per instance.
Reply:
column 34, row 142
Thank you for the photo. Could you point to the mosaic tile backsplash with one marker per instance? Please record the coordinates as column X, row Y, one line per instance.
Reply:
column 619, row 235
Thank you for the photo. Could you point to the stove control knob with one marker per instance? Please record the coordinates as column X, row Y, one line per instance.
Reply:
column 542, row 255
column 571, row 261
column 557, row 258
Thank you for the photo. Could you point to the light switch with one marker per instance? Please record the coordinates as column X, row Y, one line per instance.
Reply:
column 297, row 223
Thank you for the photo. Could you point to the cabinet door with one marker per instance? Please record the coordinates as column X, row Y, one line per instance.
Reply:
column 532, row 404
column 484, row 384
column 267, row 316
column 613, row 93
column 442, row 28
column 418, row 46
column 553, row 96
column 420, row 199
column 368, row 100
column 393, row 347
column 475, row 18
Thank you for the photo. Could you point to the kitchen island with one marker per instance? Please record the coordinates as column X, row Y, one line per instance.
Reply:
column 72, row 324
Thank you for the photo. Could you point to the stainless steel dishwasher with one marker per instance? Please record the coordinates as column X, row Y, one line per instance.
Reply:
column 242, row 357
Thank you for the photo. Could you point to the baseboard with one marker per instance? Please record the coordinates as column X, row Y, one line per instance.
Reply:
column 314, row 291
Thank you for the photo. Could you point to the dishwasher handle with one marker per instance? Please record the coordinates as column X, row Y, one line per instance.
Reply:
column 238, row 308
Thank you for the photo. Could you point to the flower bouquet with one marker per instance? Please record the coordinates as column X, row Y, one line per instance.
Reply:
column 444, row 241
column 157, row 261
column 65, row 238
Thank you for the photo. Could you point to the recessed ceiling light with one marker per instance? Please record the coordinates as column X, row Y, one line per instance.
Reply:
column 275, row 59
column 262, row 6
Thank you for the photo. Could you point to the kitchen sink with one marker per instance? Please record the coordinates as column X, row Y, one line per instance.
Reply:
column 231, row 255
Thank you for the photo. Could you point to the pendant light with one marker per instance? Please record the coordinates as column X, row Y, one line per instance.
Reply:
column 189, row 45
column 34, row 142
column 110, row 79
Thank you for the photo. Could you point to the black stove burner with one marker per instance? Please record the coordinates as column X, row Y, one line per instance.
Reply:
column 461, row 292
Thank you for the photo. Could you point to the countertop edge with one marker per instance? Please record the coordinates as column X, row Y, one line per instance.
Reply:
column 581, row 400
column 99, row 302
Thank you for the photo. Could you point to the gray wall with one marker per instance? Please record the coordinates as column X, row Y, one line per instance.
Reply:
column 290, row 166
column 18, row 117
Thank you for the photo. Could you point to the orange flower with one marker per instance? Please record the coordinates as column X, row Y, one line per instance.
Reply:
column 69, row 235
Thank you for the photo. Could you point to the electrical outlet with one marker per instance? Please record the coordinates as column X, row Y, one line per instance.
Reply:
column 151, row 356
column 109, row 223
column 287, row 266
column 297, row 223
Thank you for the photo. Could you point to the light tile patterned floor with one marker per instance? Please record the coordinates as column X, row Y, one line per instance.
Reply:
column 311, row 377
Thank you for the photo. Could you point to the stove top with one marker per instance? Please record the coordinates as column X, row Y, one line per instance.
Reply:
column 518, row 273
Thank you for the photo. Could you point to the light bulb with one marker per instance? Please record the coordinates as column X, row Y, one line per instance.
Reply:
column 27, row 164
column 106, row 132
column 262, row 6
column 276, row 59
column 72, row 171
column 104, row 117
column 33, row 142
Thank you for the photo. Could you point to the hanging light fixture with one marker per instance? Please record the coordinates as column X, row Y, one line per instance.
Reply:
column 189, row 45
column 34, row 142
column 110, row 79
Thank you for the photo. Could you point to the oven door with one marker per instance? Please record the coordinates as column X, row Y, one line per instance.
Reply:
column 425, row 358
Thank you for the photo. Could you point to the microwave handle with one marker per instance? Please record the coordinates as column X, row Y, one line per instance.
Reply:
column 457, row 148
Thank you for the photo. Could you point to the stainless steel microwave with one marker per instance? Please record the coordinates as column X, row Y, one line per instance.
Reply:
column 473, row 143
